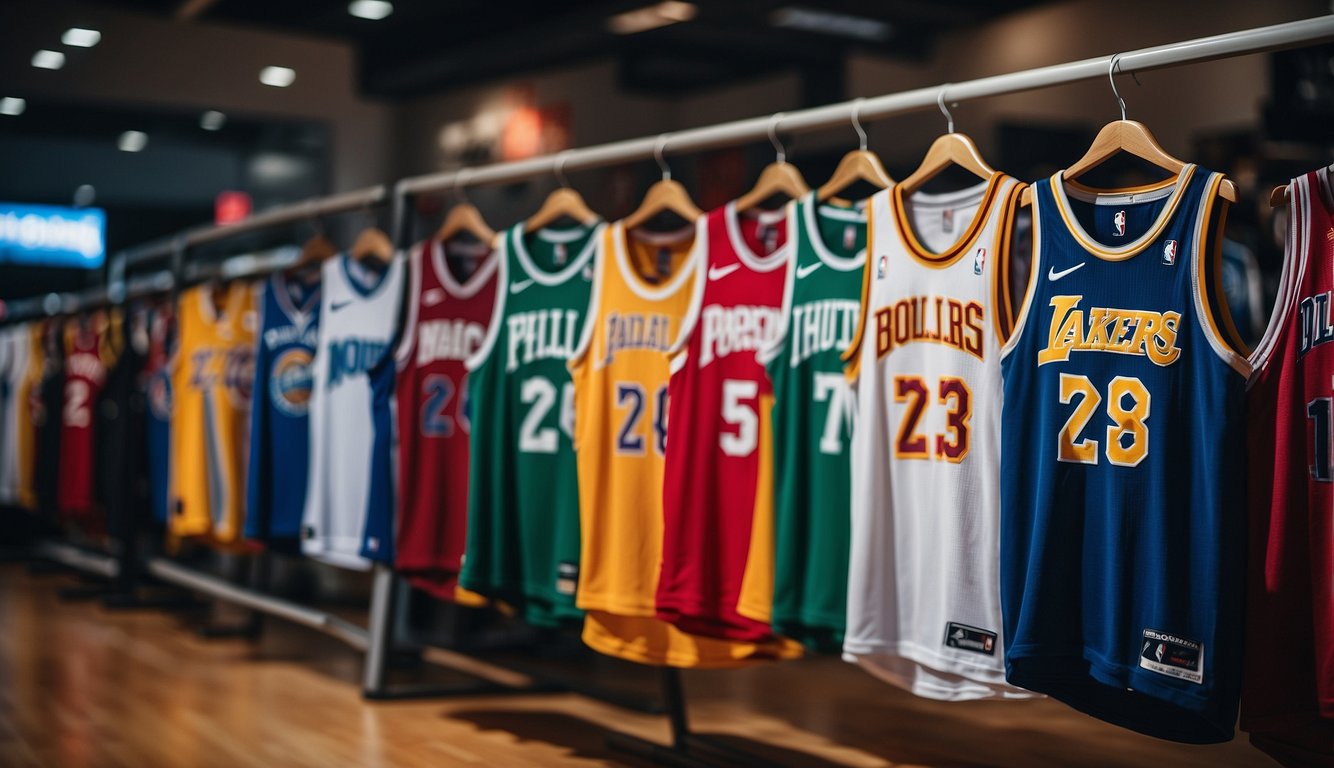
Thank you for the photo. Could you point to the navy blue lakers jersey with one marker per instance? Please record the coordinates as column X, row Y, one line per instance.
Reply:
column 279, row 426
column 1123, row 449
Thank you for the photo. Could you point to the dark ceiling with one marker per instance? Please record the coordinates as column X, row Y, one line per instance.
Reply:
column 428, row 45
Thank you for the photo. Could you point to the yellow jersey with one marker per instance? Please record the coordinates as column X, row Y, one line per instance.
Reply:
column 212, row 375
column 29, row 391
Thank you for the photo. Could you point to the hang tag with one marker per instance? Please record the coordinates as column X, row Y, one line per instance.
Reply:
column 561, row 254
column 849, row 237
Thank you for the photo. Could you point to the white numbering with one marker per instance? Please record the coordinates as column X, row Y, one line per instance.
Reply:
column 76, row 404
column 833, row 388
column 540, row 395
column 739, row 411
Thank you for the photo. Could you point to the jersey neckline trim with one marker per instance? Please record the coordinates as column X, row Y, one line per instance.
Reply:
column 822, row 251
column 1133, row 248
column 908, row 237
column 362, row 292
column 753, row 261
column 468, row 288
column 542, row 276
column 283, row 295
column 636, row 283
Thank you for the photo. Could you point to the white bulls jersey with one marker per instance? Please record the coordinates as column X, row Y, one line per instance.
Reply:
column 358, row 314
column 923, row 583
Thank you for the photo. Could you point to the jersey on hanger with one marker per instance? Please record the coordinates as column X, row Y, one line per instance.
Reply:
column 1288, row 702
column 1123, row 463
column 47, row 405
column 15, row 377
column 796, row 578
column 89, row 351
column 923, row 582
column 418, row 508
column 212, row 375
column 26, row 399
column 358, row 313
column 120, row 419
column 642, row 288
column 157, row 372
column 279, row 421
column 523, row 536
column 714, row 395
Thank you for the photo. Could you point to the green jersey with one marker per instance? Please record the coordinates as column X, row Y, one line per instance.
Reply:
column 523, row 505
column 812, row 422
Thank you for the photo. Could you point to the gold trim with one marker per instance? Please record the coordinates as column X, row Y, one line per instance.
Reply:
column 1132, row 249
column 851, row 356
column 950, row 255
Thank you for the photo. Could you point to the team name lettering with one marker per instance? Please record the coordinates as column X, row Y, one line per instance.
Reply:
column 86, row 365
column 1317, row 325
column 540, row 335
column 626, row 332
column 447, row 340
column 237, row 371
column 736, row 329
column 1122, row 331
column 291, row 334
column 820, row 326
column 349, row 357
column 932, row 319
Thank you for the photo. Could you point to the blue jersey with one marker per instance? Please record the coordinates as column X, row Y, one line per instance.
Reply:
column 279, row 431
column 1122, row 465
column 377, row 540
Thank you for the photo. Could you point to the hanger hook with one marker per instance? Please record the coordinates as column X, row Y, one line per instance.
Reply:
column 944, row 110
column 559, row 168
column 857, row 122
column 659, row 150
column 773, row 137
column 1111, row 76
column 460, row 181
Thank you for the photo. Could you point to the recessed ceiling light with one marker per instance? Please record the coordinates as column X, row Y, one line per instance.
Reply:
column 830, row 23
column 132, row 141
column 278, row 77
column 651, row 17
column 45, row 59
column 12, row 105
column 77, row 37
column 212, row 120
column 370, row 9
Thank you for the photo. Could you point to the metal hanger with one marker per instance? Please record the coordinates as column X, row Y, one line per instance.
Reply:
column 950, row 149
column 778, row 178
column 858, row 165
column 665, row 195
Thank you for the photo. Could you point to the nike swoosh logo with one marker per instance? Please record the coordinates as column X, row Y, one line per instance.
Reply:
column 1053, row 275
column 338, row 305
column 520, row 286
column 433, row 297
column 805, row 272
column 718, row 273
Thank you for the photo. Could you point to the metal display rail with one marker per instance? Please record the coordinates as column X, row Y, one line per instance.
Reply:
column 685, row 748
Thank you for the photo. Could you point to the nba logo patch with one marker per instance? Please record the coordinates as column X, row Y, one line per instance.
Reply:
column 1170, row 252
column 1119, row 221
column 880, row 267
column 979, row 260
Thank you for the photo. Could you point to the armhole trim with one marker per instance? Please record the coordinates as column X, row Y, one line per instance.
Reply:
column 768, row 352
column 851, row 356
column 1295, row 251
column 1034, row 273
column 700, row 257
column 407, row 335
column 483, row 352
column 1203, row 307
column 600, row 256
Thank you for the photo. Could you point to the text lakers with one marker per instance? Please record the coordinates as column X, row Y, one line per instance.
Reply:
column 1121, row 331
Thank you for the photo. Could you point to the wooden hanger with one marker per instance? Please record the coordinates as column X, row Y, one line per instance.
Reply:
column 665, row 195
column 950, row 149
column 858, row 165
column 563, row 201
column 313, row 252
column 372, row 243
column 464, row 217
column 778, row 178
column 1130, row 136
column 1278, row 196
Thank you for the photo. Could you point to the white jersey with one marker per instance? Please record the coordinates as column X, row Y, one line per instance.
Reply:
column 14, row 356
column 923, row 584
column 358, row 314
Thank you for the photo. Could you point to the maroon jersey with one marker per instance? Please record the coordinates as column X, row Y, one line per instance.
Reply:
column 86, row 360
column 715, row 402
column 446, row 323
column 1288, row 702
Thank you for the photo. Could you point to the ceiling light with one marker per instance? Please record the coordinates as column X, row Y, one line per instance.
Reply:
column 370, row 9
column 12, row 105
column 212, row 120
column 651, row 17
column 278, row 77
column 45, row 59
column 132, row 141
column 828, row 23
column 77, row 37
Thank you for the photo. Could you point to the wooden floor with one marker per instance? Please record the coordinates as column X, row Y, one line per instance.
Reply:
column 83, row 686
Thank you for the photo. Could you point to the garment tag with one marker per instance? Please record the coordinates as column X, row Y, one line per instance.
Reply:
column 767, row 234
column 1172, row 656
column 849, row 237
column 947, row 220
column 968, row 638
column 561, row 255
column 567, row 578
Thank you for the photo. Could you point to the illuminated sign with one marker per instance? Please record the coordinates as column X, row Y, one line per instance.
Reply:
column 52, row 236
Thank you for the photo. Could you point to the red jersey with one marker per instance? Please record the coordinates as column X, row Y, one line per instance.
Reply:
column 714, row 406
column 87, row 357
column 1288, row 700
column 446, row 323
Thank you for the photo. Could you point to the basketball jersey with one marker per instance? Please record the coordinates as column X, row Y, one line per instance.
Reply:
column 279, row 421
column 120, row 423
column 1123, row 463
column 712, row 461
column 14, row 360
column 923, row 581
column 796, row 574
column 418, row 517
column 212, row 376
column 26, row 398
column 47, row 405
column 89, row 351
column 358, row 313
column 158, row 375
column 523, row 537
column 1289, row 686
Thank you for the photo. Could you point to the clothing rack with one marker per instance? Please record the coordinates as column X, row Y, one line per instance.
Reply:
column 685, row 748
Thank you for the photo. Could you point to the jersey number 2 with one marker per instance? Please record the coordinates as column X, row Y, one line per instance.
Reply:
column 952, row 446
column 1128, row 421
